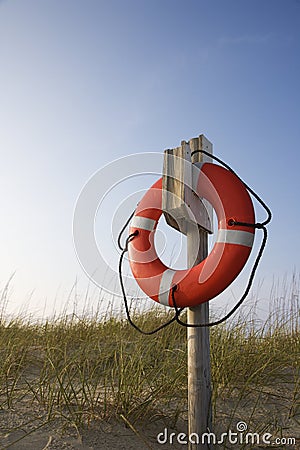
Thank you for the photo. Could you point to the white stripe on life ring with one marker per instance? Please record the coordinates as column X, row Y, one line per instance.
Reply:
column 235, row 237
column 143, row 223
column 165, row 286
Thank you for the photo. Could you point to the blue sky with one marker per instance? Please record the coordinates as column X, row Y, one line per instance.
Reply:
column 83, row 83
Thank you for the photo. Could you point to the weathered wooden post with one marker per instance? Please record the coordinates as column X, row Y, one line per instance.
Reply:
column 184, row 211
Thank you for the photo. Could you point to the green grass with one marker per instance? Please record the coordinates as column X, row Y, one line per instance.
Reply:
column 83, row 369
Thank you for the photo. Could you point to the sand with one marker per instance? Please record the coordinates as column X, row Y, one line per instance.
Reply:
column 24, row 425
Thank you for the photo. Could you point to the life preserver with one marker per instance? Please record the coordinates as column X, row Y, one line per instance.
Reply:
column 232, row 247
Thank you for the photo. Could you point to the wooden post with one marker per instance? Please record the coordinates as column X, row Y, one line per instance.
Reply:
column 193, row 217
column 199, row 374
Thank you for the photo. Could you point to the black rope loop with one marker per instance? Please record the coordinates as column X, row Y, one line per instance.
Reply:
column 257, row 225
column 124, row 251
column 238, row 304
column 231, row 222
column 123, row 229
column 256, row 196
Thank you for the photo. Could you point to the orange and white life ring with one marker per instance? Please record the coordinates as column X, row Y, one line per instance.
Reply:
column 232, row 247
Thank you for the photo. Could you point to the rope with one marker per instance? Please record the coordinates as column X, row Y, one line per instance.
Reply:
column 122, row 231
column 258, row 225
column 256, row 196
column 238, row 304
column 125, row 250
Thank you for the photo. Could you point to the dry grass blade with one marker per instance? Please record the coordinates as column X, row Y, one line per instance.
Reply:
column 85, row 369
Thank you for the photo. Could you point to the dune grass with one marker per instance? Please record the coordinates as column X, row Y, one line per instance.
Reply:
column 81, row 369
